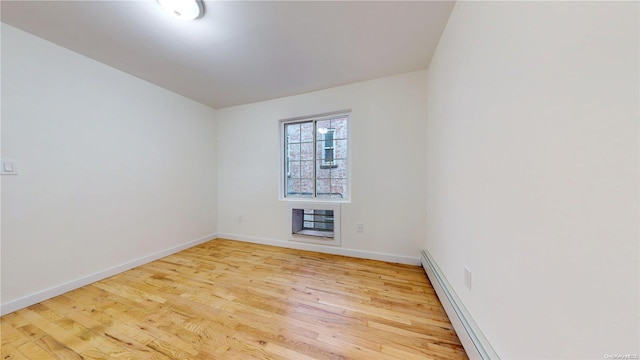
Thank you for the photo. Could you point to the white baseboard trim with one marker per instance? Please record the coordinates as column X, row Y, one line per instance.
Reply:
column 473, row 340
column 325, row 249
column 45, row 294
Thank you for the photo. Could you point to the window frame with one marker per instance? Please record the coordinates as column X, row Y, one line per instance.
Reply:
column 284, row 153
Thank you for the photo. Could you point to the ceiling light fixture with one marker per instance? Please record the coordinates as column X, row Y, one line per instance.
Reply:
column 183, row 9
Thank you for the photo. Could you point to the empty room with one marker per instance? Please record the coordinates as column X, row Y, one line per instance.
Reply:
column 187, row 179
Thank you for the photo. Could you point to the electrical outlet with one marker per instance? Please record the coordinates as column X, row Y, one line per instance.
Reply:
column 9, row 167
column 467, row 277
column 360, row 228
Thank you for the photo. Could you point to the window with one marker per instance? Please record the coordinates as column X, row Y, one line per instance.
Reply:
column 315, row 156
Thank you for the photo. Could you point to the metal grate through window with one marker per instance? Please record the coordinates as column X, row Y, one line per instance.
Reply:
column 319, row 220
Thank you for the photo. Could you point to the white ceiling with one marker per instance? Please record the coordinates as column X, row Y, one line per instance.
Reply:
column 243, row 51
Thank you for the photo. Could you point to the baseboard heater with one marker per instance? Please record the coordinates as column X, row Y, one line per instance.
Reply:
column 472, row 339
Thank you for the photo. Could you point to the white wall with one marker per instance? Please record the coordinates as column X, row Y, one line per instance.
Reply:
column 112, row 168
column 533, row 173
column 388, row 125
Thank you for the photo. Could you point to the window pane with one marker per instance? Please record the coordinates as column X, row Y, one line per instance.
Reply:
column 340, row 127
column 328, row 154
column 306, row 151
column 320, row 149
column 340, row 169
column 306, row 131
column 294, row 169
column 306, row 169
column 293, row 151
column 328, row 138
column 338, row 187
column 322, row 171
column 306, row 187
column 293, row 186
column 323, row 151
column 322, row 126
column 340, row 151
column 323, row 187
column 293, row 132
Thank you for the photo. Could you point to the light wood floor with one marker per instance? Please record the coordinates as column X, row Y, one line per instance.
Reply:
column 233, row 300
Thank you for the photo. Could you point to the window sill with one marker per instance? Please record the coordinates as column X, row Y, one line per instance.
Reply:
column 316, row 200
column 328, row 166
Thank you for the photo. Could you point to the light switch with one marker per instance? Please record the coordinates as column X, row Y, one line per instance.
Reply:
column 9, row 167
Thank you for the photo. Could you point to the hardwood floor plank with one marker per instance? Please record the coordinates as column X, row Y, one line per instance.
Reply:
column 31, row 350
column 11, row 334
column 8, row 352
column 232, row 300
column 59, row 350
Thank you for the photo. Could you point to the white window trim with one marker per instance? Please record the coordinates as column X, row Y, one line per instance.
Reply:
column 281, row 153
